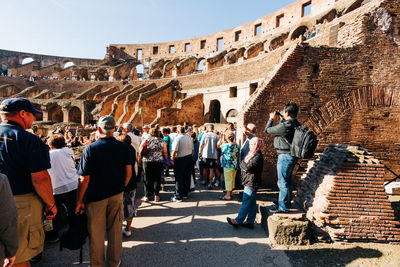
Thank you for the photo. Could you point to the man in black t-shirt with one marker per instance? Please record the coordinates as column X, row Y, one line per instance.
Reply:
column 24, row 158
column 105, row 169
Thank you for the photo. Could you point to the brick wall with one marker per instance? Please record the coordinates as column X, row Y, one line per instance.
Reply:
column 344, row 196
column 346, row 95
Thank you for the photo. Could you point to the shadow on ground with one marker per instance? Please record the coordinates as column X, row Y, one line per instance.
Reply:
column 330, row 256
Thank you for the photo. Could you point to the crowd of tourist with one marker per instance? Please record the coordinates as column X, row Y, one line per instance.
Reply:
column 42, row 170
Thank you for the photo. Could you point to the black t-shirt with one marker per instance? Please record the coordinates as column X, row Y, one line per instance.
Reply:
column 21, row 153
column 105, row 162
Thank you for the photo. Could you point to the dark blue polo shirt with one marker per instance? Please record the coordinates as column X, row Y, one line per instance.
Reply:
column 21, row 153
column 105, row 162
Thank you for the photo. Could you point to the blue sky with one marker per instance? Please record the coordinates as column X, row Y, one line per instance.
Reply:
column 84, row 28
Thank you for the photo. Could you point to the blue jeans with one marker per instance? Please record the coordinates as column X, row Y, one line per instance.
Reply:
column 249, row 206
column 285, row 167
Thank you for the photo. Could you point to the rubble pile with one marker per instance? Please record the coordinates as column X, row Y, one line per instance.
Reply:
column 343, row 194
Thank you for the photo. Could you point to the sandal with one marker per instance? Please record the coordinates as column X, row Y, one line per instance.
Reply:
column 157, row 199
column 232, row 222
column 224, row 198
column 145, row 199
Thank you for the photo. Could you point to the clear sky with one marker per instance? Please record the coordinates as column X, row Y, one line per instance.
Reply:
column 85, row 28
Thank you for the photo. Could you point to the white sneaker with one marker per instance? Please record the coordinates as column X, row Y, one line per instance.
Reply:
column 126, row 232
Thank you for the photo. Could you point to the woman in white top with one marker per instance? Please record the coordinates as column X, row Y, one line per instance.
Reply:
column 64, row 177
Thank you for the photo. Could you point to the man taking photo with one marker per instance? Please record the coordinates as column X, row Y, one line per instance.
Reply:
column 283, row 133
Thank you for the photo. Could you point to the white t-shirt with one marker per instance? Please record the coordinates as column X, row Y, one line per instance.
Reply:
column 209, row 142
column 135, row 141
column 183, row 144
column 63, row 172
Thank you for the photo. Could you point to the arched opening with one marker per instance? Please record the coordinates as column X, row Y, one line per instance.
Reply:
column 74, row 115
column 81, row 74
column 299, row 32
column 156, row 74
column 101, row 75
column 278, row 41
column 3, row 70
column 215, row 111
column 331, row 15
column 353, row 6
column 56, row 114
column 200, row 65
column 68, row 64
column 232, row 113
column 27, row 60
column 140, row 71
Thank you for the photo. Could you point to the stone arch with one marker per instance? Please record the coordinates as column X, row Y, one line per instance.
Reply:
column 26, row 60
column 328, row 17
column 140, row 71
column 67, row 64
column 278, row 41
column 335, row 109
column 200, row 64
column 299, row 31
column 56, row 114
column 232, row 113
column 74, row 114
column 3, row 69
column 379, row 107
column 81, row 74
column 214, row 111
column 156, row 74
column 101, row 75
column 356, row 4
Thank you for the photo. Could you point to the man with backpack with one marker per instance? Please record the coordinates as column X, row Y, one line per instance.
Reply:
column 284, row 133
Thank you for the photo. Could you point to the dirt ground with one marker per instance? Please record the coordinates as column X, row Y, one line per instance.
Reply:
column 339, row 253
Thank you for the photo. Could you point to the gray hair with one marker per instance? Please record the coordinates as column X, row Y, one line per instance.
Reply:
column 128, row 126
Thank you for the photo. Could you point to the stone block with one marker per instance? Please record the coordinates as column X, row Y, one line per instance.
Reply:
column 288, row 231
column 393, row 188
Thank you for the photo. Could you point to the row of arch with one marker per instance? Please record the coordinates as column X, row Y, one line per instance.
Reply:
column 64, row 64
column 164, row 69
column 105, row 74
column 56, row 114
column 306, row 30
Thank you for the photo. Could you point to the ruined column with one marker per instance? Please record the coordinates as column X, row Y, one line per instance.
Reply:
column 65, row 114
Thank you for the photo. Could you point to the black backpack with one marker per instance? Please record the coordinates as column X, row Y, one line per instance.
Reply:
column 304, row 143
column 75, row 236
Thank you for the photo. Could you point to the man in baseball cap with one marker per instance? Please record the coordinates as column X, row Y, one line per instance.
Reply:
column 17, row 104
column 25, row 160
column 107, row 164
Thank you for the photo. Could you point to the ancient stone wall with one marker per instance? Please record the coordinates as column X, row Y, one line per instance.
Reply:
column 47, row 71
column 189, row 110
column 150, row 102
column 251, row 32
column 24, row 70
column 346, row 95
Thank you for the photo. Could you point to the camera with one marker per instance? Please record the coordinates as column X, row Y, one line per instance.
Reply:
column 279, row 113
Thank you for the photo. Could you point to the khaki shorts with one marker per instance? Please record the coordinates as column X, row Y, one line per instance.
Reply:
column 30, row 226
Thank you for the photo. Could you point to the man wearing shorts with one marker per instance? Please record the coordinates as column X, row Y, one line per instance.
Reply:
column 24, row 158
column 208, row 154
